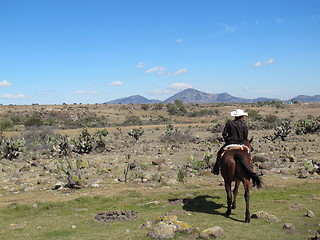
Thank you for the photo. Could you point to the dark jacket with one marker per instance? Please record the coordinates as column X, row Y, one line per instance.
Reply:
column 235, row 132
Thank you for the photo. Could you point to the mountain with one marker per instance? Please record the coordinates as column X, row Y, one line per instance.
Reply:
column 191, row 95
column 304, row 98
column 136, row 99
column 195, row 96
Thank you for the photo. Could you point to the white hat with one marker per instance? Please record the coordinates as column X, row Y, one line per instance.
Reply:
column 238, row 113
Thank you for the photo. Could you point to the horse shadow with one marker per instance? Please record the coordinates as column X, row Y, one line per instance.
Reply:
column 204, row 204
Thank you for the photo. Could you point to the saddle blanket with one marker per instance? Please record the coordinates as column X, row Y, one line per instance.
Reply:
column 236, row 146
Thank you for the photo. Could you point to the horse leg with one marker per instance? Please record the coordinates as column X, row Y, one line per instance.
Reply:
column 227, row 186
column 246, row 184
column 235, row 193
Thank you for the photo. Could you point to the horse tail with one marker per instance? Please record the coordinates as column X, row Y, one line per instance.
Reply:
column 255, row 178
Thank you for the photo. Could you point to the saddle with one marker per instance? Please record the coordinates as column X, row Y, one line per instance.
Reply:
column 236, row 147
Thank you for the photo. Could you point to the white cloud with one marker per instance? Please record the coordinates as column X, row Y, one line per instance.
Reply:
column 162, row 92
column 228, row 28
column 171, row 89
column 180, row 71
column 116, row 83
column 85, row 92
column 179, row 86
column 155, row 69
column 5, row 83
column 141, row 65
column 13, row 96
column 179, row 40
column 259, row 63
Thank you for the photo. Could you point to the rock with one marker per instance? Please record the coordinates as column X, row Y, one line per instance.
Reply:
column 16, row 226
column 146, row 225
column 265, row 215
column 58, row 185
column 161, row 230
column 288, row 226
column 310, row 214
column 182, row 227
column 166, row 218
column 214, row 232
column 261, row 159
column 120, row 215
column 295, row 206
column 260, row 215
column 158, row 161
column 273, row 218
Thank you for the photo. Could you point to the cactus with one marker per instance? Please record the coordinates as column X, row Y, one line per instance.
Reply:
column 83, row 143
column 136, row 133
column 126, row 171
column 310, row 125
column 62, row 145
column 73, row 174
column 11, row 149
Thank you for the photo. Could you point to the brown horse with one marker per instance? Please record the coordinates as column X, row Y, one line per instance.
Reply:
column 236, row 166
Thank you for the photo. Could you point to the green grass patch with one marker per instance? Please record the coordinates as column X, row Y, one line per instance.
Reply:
column 75, row 219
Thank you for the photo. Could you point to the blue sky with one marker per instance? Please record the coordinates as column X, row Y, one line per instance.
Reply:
column 93, row 51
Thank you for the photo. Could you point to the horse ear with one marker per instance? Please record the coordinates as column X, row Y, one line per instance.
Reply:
column 250, row 141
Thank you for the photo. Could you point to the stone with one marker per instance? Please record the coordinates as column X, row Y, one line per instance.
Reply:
column 273, row 218
column 161, row 230
column 310, row 214
column 214, row 232
column 288, row 226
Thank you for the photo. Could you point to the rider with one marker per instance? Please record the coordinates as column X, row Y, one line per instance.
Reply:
column 234, row 132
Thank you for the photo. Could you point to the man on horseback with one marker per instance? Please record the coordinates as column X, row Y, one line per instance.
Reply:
column 234, row 132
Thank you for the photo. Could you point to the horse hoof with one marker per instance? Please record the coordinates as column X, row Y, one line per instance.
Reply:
column 234, row 207
column 228, row 212
column 247, row 220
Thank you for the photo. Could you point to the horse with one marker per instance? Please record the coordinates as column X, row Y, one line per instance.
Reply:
column 236, row 166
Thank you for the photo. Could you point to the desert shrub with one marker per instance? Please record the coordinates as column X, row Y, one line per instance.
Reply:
column 204, row 112
column 310, row 125
column 5, row 124
column 216, row 128
column 100, row 141
column 34, row 120
column 37, row 138
column 136, row 133
column 270, row 118
column 254, row 115
column 158, row 106
column 181, row 174
column 173, row 135
column 11, row 148
column 132, row 120
column 145, row 107
column 176, row 108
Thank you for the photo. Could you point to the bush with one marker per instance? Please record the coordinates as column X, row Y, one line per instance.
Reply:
column 310, row 125
column 136, row 133
column 34, row 120
column 5, row 124
column 39, row 138
column 132, row 120
column 173, row 135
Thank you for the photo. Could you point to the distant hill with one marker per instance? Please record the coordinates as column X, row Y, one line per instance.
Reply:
column 136, row 99
column 304, row 98
column 191, row 95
